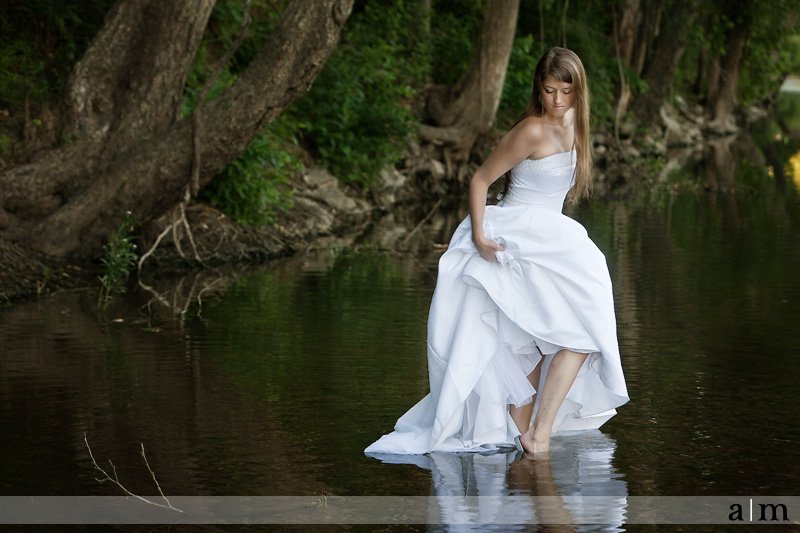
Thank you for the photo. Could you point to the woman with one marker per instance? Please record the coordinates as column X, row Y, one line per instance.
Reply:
column 522, row 318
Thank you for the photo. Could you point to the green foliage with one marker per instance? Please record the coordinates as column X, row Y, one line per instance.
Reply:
column 771, row 51
column 637, row 84
column 254, row 188
column 225, row 24
column 358, row 112
column 40, row 41
column 519, row 76
column 368, row 98
column 5, row 144
column 586, row 34
column 455, row 28
column 198, row 75
column 226, row 20
column 118, row 259
column 21, row 73
column 788, row 109
column 768, row 65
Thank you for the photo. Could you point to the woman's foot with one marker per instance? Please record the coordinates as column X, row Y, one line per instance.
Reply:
column 533, row 446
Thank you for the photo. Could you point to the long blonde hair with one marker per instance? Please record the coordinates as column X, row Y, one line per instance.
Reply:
column 565, row 65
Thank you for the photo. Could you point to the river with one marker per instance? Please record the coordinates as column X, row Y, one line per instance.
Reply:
column 271, row 381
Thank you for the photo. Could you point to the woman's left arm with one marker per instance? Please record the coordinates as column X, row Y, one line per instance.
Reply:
column 515, row 146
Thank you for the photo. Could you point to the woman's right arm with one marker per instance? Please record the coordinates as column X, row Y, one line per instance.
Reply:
column 515, row 146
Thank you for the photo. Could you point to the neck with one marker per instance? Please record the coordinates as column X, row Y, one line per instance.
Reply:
column 553, row 121
column 560, row 122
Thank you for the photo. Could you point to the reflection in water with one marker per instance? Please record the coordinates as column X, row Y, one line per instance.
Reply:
column 272, row 381
column 578, row 465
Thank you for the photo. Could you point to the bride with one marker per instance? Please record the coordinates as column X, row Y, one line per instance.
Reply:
column 521, row 332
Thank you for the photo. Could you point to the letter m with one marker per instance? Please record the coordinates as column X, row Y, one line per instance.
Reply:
column 774, row 508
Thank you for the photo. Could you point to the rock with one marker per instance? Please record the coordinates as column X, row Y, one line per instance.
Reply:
column 725, row 125
column 678, row 133
column 324, row 188
column 320, row 208
column 632, row 152
column 391, row 178
column 627, row 128
column 754, row 113
column 386, row 233
column 599, row 139
column 653, row 143
column 389, row 188
column 438, row 170
column 315, row 217
column 681, row 105
column 682, row 110
column 698, row 115
column 413, row 148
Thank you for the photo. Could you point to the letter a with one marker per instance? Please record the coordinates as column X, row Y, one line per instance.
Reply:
column 737, row 512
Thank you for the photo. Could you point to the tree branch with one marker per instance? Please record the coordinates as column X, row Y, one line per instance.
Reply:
column 149, row 177
column 115, row 479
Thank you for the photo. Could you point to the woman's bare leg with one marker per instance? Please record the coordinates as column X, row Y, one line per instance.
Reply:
column 522, row 415
column 560, row 375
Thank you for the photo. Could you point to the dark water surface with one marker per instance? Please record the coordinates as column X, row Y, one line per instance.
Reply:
column 272, row 382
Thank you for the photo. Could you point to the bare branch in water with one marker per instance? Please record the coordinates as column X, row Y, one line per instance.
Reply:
column 154, row 478
column 115, row 479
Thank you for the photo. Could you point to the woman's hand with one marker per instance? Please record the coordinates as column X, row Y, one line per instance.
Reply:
column 487, row 248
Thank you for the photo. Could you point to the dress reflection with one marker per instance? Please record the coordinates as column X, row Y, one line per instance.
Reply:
column 579, row 466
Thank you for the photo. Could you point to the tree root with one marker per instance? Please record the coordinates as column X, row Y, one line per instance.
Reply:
column 193, row 187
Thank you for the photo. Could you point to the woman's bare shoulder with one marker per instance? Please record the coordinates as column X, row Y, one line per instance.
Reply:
column 531, row 128
column 526, row 136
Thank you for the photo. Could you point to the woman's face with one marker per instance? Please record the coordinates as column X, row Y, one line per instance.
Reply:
column 557, row 96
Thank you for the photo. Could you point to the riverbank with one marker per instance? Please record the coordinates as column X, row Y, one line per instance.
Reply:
column 629, row 159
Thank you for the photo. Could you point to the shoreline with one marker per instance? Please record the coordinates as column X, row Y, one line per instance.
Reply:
column 324, row 209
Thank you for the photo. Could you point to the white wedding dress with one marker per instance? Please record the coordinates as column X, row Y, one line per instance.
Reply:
column 489, row 321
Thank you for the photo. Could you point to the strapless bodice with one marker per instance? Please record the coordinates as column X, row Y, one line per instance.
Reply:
column 542, row 182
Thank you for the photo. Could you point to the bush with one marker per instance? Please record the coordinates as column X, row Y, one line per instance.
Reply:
column 519, row 80
column 455, row 28
column 255, row 187
column 358, row 112
column 40, row 41
column 119, row 256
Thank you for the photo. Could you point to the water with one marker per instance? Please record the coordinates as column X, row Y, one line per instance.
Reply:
column 272, row 381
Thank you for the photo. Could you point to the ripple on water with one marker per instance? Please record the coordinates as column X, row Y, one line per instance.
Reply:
column 283, row 378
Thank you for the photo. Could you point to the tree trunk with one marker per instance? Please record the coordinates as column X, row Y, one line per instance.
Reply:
column 723, row 120
column 647, row 31
column 473, row 101
column 629, row 20
column 130, row 152
column 130, row 81
column 666, row 53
